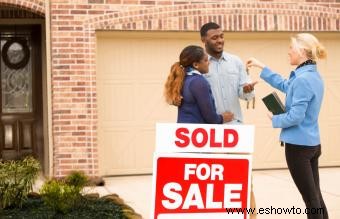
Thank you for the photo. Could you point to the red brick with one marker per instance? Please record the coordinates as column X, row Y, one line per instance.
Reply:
column 130, row 2
column 78, row 11
column 66, row 6
column 96, row 12
column 147, row 2
column 95, row 1
column 113, row 1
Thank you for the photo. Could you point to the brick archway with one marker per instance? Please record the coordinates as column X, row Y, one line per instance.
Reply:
column 232, row 17
column 37, row 7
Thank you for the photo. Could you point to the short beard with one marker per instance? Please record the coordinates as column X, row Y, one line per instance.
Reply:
column 213, row 52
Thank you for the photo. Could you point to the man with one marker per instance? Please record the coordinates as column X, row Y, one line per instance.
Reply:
column 227, row 75
column 228, row 79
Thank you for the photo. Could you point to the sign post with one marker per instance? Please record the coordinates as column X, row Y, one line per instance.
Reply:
column 190, row 184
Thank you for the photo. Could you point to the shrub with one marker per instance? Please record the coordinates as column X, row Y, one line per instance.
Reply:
column 87, row 209
column 63, row 195
column 16, row 180
column 59, row 196
column 77, row 179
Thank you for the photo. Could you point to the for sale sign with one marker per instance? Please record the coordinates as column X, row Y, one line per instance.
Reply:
column 200, row 186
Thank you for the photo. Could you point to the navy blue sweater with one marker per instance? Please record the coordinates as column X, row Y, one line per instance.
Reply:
column 198, row 105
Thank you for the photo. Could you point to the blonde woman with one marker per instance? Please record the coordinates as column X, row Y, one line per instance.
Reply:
column 300, row 129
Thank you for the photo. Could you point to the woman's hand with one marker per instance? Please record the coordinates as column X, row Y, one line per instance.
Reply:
column 254, row 62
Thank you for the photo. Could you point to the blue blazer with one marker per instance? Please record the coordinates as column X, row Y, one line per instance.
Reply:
column 197, row 105
column 304, row 93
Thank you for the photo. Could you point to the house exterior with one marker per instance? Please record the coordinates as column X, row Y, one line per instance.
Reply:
column 82, row 80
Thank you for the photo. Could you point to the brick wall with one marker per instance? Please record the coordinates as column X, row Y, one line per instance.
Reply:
column 73, row 25
column 35, row 6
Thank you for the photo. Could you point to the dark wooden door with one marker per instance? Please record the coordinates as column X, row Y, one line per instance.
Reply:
column 20, row 92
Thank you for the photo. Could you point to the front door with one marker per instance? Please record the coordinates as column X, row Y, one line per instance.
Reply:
column 20, row 92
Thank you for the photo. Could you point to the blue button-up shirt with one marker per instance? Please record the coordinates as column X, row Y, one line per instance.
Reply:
column 304, row 92
column 227, row 77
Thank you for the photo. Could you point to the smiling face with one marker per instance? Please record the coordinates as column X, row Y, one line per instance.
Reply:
column 203, row 65
column 214, row 42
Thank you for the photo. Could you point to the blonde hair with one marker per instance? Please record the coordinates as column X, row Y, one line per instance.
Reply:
column 310, row 44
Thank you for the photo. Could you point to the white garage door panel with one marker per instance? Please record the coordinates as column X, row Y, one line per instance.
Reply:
column 121, row 151
column 116, row 95
column 142, row 146
column 131, row 71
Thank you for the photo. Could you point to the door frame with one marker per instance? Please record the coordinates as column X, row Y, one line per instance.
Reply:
column 47, row 165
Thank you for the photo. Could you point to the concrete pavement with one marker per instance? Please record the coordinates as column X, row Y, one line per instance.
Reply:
column 273, row 188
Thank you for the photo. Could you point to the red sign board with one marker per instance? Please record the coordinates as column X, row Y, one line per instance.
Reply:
column 200, row 186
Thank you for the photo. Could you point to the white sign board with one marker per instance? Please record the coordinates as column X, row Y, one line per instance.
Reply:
column 206, row 138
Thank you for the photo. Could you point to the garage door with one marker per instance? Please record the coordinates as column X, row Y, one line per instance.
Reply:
column 132, row 68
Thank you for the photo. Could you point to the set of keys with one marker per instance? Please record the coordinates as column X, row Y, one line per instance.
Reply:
column 252, row 100
column 253, row 103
